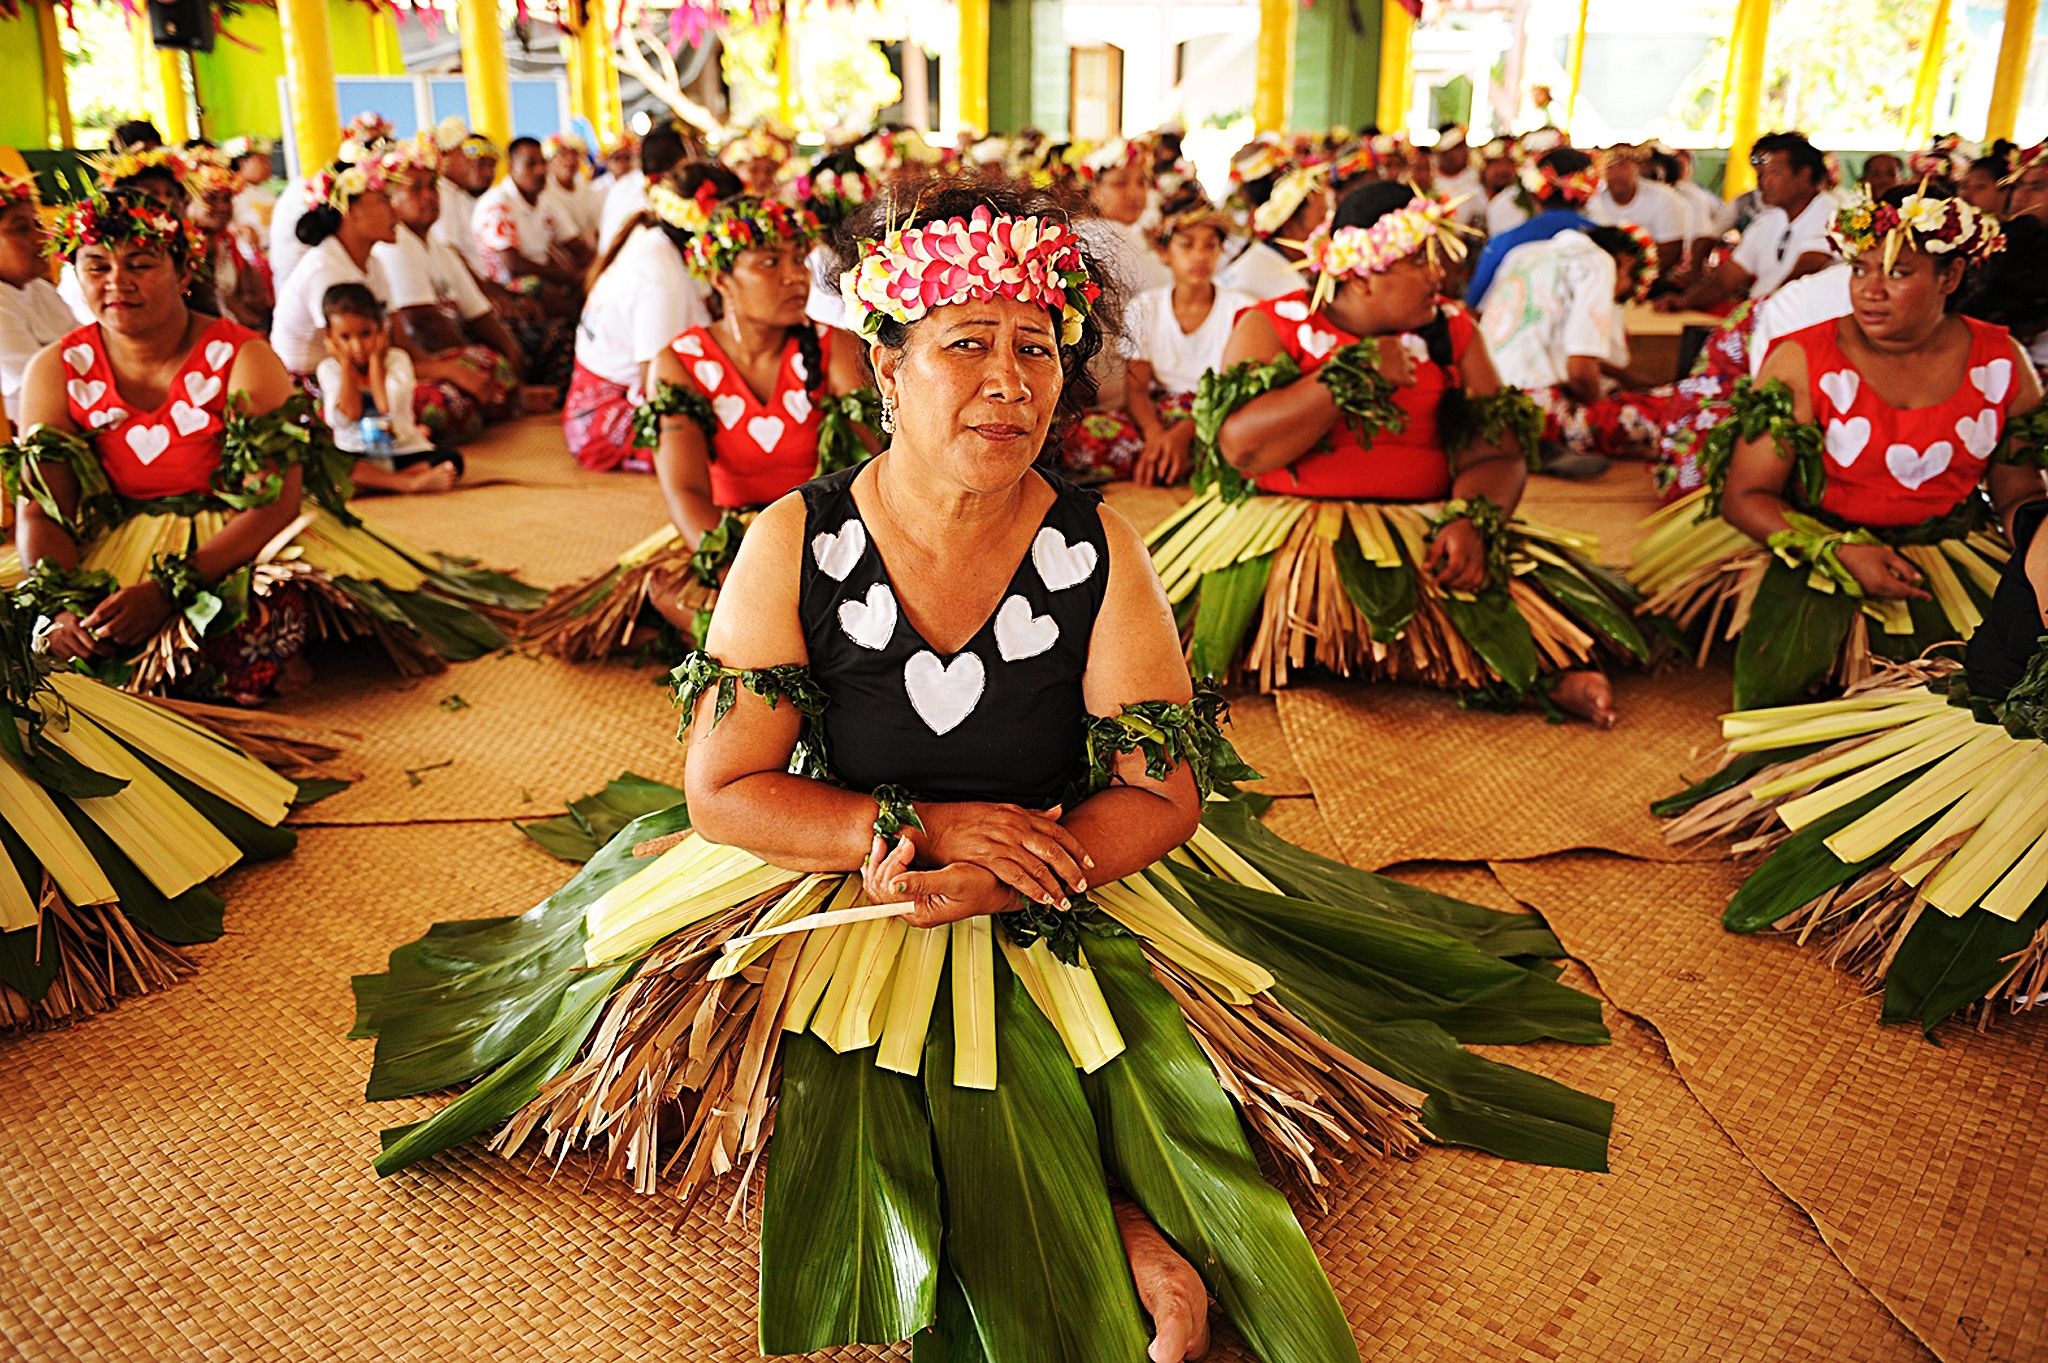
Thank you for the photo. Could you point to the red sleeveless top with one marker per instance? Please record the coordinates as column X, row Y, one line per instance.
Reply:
column 168, row 451
column 1408, row 467
column 762, row 449
column 1890, row 466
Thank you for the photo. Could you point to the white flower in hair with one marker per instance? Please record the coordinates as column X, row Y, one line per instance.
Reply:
column 450, row 132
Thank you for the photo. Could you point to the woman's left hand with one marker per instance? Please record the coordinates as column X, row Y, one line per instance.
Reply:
column 961, row 890
column 1169, row 1289
column 1457, row 557
column 130, row 615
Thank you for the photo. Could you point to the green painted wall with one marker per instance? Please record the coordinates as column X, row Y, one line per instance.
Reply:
column 21, row 57
column 1027, row 67
column 239, row 86
column 1336, row 70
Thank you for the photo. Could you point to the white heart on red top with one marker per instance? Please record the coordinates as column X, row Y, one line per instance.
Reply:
column 1979, row 433
column 1020, row 634
column 1913, row 467
column 188, row 419
column 1294, row 310
column 728, row 408
column 797, row 402
column 767, row 432
column 837, row 552
column 799, row 368
column 690, row 345
column 1061, row 565
column 710, row 373
column 106, row 416
column 1315, row 340
column 86, row 392
column 1993, row 379
column 1841, row 388
column 202, row 388
column 870, row 623
column 148, row 442
column 1846, row 439
column 79, row 357
column 943, row 694
column 218, row 353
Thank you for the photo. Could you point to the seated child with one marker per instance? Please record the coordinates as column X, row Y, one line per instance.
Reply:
column 366, row 386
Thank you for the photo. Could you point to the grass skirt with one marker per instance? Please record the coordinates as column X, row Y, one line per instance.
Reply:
column 677, row 1001
column 1794, row 628
column 1904, row 835
column 100, row 894
column 597, row 616
column 1268, row 586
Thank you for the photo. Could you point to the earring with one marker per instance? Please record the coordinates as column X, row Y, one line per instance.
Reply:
column 888, row 415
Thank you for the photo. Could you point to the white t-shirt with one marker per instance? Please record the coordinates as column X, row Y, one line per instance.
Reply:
column 1656, row 208
column 426, row 272
column 1464, row 185
column 1711, row 215
column 395, row 402
column 254, row 207
column 626, row 196
column 458, row 217
column 825, row 304
column 71, row 294
column 296, row 325
column 643, row 300
column 1261, row 272
column 1180, row 358
column 285, row 248
column 583, row 205
column 30, row 318
column 505, row 221
column 1805, row 302
column 1551, row 300
column 1773, row 242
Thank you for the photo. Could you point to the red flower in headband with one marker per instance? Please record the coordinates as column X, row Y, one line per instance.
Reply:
column 986, row 255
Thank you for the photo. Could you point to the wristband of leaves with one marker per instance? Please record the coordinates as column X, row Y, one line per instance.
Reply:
column 1362, row 393
column 671, row 399
column 1491, row 523
column 1217, row 395
column 2025, row 443
column 1756, row 411
column 894, row 812
column 1807, row 542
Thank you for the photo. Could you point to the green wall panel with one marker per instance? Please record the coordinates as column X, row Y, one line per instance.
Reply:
column 21, row 57
column 1336, row 65
column 238, row 79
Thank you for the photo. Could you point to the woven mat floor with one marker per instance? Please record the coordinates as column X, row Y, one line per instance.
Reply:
column 1924, row 1167
column 188, row 1177
column 1403, row 774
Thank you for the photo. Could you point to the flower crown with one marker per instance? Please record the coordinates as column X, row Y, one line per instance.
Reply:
column 850, row 188
column 115, row 167
column 554, row 144
column 131, row 218
column 2024, row 161
column 1259, row 160
column 1290, row 192
column 235, row 148
column 1544, row 184
column 885, row 151
column 1359, row 160
column 1642, row 276
column 368, row 126
column 755, row 144
column 909, row 271
column 1925, row 222
column 1202, row 214
column 1354, row 252
column 1114, row 154
column 210, row 176
column 686, row 214
column 338, row 189
column 21, row 190
column 742, row 225
column 449, row 134
column 416, row 156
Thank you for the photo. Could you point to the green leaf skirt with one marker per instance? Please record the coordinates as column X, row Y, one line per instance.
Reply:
column 950, row 1111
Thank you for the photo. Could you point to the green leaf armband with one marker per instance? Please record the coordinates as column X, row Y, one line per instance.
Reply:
column 51, row 590
column 719, row 547
column 1504, row 420
column 1220, row 393
column 839, row 442
column 792, row 682
column 25, row 466
column 187, row 591
column 1362, row 393
column 1167, row 734
column 667, row 400
column 256, row 450
column 894, row 812
column 1755, row 412
column 2025, row 442
column 1492, row 524
column 1810, row 543
column 2024, row 711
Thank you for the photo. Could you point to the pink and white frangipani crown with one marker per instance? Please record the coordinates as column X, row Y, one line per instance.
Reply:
column 1353, row 252
column 908, row 272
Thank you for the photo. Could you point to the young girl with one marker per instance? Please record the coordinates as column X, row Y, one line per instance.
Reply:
column 1177, row 334
column 366, row 384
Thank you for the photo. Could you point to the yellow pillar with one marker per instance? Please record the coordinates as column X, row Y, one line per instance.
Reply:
column 1727, row 89
column 1273, row 92
column 309, row 81
column 785, row 67
column 483, row 69
column 2013, row 51
column 1397, row 55
column 1578, row 63
column 57, row 131
column 177, row 110
column 1928, row 83
column 385, row 53
column 1752, row 34
column 576, row 62
column 611, row 123
column 974, row 64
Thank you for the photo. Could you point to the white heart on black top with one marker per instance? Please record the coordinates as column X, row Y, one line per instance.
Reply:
column 836, row 552
column 870, row 623
column 1061, row 565
column 1020, row 634
column 943, row 694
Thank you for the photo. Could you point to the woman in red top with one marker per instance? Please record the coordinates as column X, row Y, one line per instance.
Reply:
column 1850, row 481
column 1359, row 463
column 748, row 408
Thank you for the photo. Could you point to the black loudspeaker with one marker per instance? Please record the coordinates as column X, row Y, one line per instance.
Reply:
column 181, row 25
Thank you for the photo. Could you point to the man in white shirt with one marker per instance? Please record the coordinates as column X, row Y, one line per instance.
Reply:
column 661, row 151
column 31, row 313
column 1553, row 325
column 569, row 181
column 1457, row 175
column 1787, row 240
column 436, row 305
column 459, row 186
column 527, row 243
column 285, row 246
column 1626, row 195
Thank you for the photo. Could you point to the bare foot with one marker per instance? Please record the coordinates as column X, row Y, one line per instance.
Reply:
column 1588, row 695
column 429, row 478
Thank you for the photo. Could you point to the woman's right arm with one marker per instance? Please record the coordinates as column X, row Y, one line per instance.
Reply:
column 38, row 534
column 1277, row 428
column 682, row 459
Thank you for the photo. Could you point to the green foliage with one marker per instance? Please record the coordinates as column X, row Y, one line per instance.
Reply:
column 667, row 400
column 1220, row 393
column 1362, row 393
column 1755, row 413
column 1168, row 735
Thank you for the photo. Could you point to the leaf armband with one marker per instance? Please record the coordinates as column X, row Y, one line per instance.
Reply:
column 1754, row 412
column 1491, row 523
column 839, row 443
column 2025, row 442
column 256, row 450
column 1507, row 420
column 1167, row 734
column 50, row 590
column 1813, row 544
column 1362, row 393
column 667, row 400
column 2024, row 711
column 24, row 467
column 792, row 682
column 1220, row 393
column 894, row 812
column 719, row 547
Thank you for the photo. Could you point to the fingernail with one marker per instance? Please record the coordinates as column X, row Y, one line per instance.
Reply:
column 1081, row 885
column 898, row 886
column 1065, row 905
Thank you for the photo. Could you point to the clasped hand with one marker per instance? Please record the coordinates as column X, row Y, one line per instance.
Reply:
column 979, row 857
column 126, row 618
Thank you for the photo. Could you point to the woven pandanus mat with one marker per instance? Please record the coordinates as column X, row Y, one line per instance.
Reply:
column 1256, row 734
column 510, row 736
column 1145, row 507
column 188, row 1177
column 1625, row 480
column 1404, row 774
column 1925, row 1167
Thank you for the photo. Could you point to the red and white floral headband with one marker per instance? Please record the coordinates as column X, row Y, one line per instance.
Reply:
column 908, row 272
column 1355, row 252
